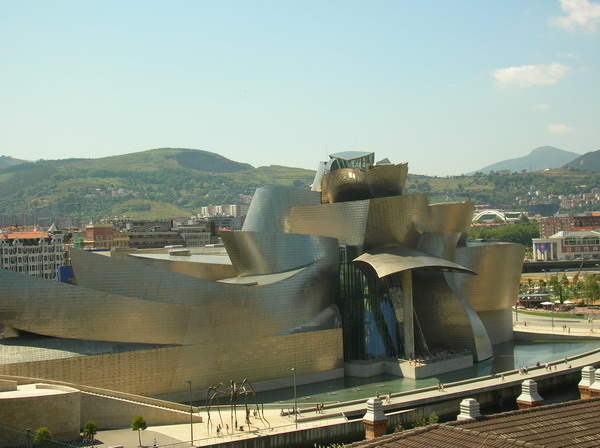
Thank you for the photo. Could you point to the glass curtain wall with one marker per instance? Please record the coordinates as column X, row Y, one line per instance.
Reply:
column 369, row 320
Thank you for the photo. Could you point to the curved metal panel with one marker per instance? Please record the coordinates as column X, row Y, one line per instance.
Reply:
column 161, row 306
column 254, row 253
column 499, row 266
column 391, row 260
column 481, row 338
column 447, row 321
column 346, row 184
column 206, row 271
column 345, row 221
column 439, row 244
column 386, row 180
column 270, row 207
column 60, row 310
column 455, row 217
column 396, row 220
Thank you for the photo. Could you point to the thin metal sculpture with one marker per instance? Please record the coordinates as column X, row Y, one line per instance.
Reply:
column 234, row 392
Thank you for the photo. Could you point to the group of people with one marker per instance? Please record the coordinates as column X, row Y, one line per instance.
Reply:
column 319, row 408
column 220, row 429
column 290, row 411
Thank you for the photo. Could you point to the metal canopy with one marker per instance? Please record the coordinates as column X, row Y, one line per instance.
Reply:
column 394, row 259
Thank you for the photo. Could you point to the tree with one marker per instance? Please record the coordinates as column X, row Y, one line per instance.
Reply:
column 556, row 287
column 591, row 288
column 90, row 429
column 139, row 424
column 42, row 435
column 565, row 284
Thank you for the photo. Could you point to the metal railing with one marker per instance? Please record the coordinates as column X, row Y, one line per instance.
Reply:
column 24, row 438
column 235, row 435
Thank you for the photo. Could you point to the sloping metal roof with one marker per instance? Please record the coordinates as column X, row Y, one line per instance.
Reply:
column 394, row 259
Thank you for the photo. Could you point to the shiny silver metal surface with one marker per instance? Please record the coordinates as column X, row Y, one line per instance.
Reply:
column 454, row 217
column 270, row 208
column 254, row 253
column 499, row 266
column 160, row 306
column 386, row 180
column 395, row 259
column 345, row 221
column 447, row 320
column 346, row 184
column 396, row 221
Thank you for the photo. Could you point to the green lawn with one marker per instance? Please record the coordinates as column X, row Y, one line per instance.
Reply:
column 548, row 314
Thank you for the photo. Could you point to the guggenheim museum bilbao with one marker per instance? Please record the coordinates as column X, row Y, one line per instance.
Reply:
column 351, row 270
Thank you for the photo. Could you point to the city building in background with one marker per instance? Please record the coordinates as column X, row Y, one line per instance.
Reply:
column 101, row 237
column 553, row 225
column 32, row 252
column 566, row 245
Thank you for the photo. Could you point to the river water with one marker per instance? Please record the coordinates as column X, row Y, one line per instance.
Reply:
column 507, row 356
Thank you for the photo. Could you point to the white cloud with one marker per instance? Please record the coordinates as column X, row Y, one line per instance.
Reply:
column 541, row 106
column 581, row 14
column 531, row 75
column 559, row 128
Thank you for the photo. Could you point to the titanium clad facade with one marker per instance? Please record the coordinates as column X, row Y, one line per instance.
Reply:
column 494, row 291
column 397, row 220
column 499, row 266
column 344, row 221
column 387, row 180
column 270, row 208
column 254, row 253
column 455, row 217
column 345, row 184
column 446, row 319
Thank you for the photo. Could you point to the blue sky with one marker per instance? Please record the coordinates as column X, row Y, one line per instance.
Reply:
column 448, row 87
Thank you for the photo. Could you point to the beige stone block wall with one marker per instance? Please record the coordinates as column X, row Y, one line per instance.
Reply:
column 114, row 413
column 6, row 385
column 59, row 412
column 165, row 370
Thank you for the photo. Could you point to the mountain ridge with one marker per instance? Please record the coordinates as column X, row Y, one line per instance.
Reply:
column 540, row 158
column 589, row 162
column 176, row 182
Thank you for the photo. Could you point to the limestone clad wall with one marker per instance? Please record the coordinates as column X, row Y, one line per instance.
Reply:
column 59, row 412
column 165, row 370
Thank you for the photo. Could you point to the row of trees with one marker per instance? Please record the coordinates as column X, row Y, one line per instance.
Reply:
column 90, row 429
column 521, row 232
column 585, row 289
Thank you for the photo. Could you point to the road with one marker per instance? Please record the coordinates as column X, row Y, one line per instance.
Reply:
column 588, row 325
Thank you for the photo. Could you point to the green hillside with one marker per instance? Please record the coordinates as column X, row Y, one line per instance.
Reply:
column 159, row 183
column 589, row 163
column 9, row 161
column 172, row 182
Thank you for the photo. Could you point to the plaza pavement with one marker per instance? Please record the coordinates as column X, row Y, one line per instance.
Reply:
column 178, row 436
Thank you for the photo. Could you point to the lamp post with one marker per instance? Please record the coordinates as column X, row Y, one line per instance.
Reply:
column 295, row 399
column 191, row 415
